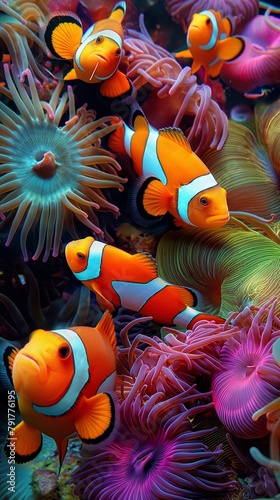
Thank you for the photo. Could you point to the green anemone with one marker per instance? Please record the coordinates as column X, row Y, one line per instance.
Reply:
column 229, row 267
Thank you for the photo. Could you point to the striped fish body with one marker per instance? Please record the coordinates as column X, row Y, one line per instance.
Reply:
column 63, row 379
column 175, row 179
column 132, row 281
column 210, row 44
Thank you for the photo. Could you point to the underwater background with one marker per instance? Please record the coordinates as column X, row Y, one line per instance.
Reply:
column 198, row 355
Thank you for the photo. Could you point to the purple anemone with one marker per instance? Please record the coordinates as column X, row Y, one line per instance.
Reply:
column 157, row 453
column 250, row 378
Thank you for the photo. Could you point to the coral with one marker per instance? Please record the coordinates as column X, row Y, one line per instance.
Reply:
column 182, row 10
column 157, row 453
column 173, row 97
column 228, row 266
column 51, row 173
column 250, row 377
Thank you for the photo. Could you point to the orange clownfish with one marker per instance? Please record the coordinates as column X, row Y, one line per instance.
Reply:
column 209, row 42
column 96, row 53
column 63, row 379
column 175, row 179
column 121, row 279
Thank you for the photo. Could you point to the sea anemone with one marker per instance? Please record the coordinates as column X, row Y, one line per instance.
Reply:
column 51, row 173
column 157, row 453
column 267, row 118
column 271, row 410
column 170, row 95
column 247, row 164
column 21, row 22
column 182, row 11
column 228, row 266
column 250, row 377
column 259, row 62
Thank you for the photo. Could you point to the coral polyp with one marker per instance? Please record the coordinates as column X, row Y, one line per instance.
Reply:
column 51, row 172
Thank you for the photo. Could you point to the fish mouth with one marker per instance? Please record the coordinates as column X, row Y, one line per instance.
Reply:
column 102, row 57
column 218, row 219
column 28, row 356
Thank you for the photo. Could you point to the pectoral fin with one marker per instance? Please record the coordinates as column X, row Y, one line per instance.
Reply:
column 230, row 48
column 156, row 198
column 27, row 443
column 115, row 86
column 97, row 420
column 71, row 75
column 183, row 53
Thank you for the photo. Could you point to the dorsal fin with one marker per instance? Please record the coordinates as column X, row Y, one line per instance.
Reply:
column 187, row 296
column 143, row 259
column 139, row 121
column 176, row 135
column 106, row 327
column 118, row 12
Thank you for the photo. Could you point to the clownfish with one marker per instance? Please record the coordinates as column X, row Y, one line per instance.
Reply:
column 121, row 279
column 210, row 44
column 96, row 53
column 63, row 380
column 173, row 178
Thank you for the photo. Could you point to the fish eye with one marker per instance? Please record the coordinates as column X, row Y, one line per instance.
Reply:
column 118, row 52
column 203, row 201
column 64, row 351
column 99, row 39
column 208, row 20
column 80, row 256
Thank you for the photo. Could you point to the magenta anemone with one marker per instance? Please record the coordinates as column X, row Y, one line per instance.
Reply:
column 182, row 10
column 259, row 62
column 51, row 173
column 250, row 378
column 157, row 453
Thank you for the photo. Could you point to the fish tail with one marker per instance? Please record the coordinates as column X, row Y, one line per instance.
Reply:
column 189, row 317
